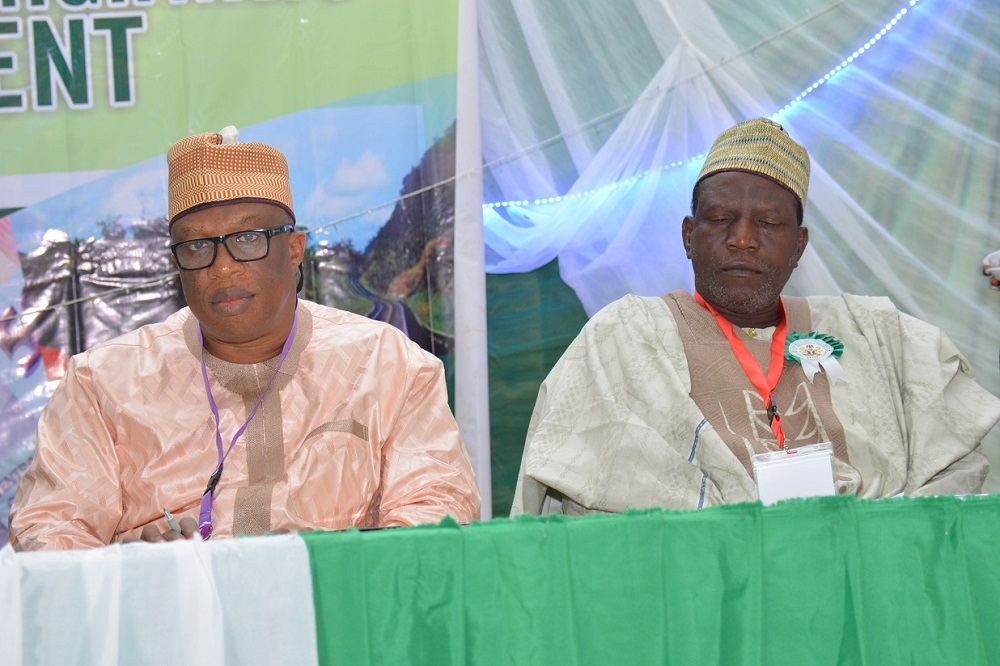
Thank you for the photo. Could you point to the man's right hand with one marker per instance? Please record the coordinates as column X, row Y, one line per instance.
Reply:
column 152, row 533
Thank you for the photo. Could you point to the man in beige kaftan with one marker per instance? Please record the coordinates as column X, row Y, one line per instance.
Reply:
column 651, row 405
column 617, row 427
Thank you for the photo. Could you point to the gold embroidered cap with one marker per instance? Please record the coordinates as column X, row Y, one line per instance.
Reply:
column 763, row 147
column 214, row 168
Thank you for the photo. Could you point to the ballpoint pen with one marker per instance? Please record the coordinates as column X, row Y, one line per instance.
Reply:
column 171, row 521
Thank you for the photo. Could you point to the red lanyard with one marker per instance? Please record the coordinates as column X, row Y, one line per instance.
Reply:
column 764, row 386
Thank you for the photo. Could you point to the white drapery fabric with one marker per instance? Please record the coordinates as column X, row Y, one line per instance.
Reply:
column 596, row 115
column 232, row 601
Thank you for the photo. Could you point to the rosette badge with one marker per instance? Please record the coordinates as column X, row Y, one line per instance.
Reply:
column 816, row 351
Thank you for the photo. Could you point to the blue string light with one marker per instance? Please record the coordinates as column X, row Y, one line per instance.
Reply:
column 846, row 62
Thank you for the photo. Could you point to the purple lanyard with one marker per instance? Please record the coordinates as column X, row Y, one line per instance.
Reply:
column 205, row 517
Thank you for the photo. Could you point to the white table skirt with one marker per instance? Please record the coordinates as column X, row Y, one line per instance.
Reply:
column 232, row 601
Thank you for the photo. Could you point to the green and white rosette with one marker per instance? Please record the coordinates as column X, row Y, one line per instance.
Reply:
column 815, row 351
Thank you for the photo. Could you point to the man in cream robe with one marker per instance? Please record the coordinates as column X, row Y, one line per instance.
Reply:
column 616, row 425
column 665, row 401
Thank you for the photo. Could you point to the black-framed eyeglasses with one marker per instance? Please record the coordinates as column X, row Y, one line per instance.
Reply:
column 249, row 245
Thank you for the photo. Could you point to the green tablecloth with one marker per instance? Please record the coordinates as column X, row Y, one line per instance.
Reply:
column 828, row 580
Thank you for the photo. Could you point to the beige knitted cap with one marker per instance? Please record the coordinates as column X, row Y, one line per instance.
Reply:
column 763, row 147
column 214, row 168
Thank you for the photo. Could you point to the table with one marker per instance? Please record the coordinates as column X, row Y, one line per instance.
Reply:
column 824, row 580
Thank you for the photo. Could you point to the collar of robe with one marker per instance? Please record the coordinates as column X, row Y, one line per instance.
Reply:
column 765, row 385
column 205, row 512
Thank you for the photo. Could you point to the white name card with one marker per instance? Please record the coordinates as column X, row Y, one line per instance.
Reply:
column 803, row 472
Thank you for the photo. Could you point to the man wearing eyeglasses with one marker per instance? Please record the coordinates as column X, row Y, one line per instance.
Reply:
column 249, row 411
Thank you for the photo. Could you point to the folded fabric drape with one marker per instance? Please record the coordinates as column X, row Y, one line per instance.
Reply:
column 231, row 601
column 824, row 580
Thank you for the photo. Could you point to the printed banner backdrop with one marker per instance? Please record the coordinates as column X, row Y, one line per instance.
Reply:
column 360, row 95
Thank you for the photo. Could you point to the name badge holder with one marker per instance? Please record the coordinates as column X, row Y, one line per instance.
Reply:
column 803, row 472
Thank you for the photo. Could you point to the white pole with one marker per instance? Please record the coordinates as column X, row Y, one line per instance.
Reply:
column 472, row 403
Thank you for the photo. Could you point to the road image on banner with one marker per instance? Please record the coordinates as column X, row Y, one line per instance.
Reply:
column 84, row 246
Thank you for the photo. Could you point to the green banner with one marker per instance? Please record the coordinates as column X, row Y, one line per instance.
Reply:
column 88, row 85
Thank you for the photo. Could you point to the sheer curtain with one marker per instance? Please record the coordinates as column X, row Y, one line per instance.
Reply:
column 596, row 115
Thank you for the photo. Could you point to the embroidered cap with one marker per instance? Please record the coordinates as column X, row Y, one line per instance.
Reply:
column 763, row 147
column 214, row 167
